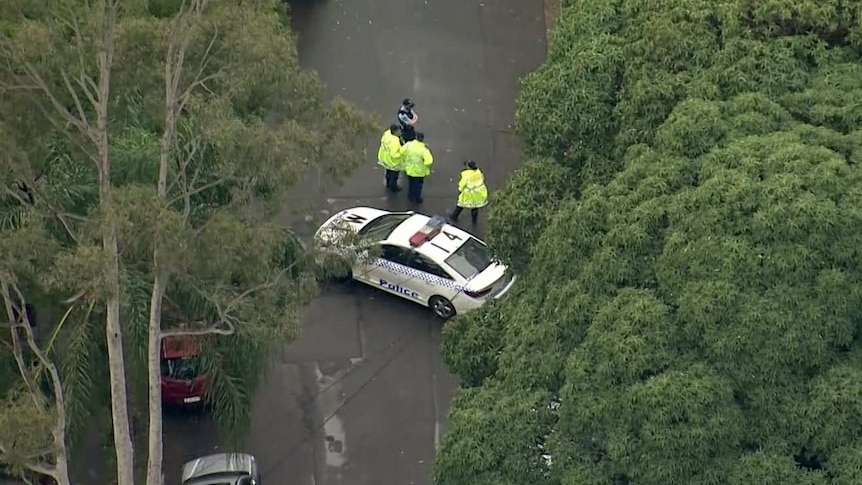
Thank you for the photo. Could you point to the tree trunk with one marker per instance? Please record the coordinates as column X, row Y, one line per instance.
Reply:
column 154, row 340
column 160, row 282
column 117, row 367
column 61, row 457
column 116, row 360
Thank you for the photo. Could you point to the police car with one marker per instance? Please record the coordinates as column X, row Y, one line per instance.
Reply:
column 416, row 257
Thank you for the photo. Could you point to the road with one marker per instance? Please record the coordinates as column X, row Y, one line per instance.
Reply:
column 362, row 397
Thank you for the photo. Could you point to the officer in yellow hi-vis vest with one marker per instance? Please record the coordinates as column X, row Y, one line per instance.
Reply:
column 389, row 156
column 417, row 161
column 472, row 193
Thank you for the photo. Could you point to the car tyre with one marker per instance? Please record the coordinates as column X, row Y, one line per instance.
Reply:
column 441, row 307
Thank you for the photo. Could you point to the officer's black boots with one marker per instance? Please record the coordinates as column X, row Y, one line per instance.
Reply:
column 456, row 213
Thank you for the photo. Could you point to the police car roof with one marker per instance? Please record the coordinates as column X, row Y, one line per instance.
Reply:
column 443, row 246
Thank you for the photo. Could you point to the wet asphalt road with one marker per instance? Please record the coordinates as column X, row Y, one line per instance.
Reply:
column 362, row 397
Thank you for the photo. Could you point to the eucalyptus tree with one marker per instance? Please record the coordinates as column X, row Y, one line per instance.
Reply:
column 147, row 146
column 689, row 308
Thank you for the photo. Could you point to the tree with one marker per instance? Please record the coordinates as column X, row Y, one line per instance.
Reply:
column 164, row 136
column 689, row 309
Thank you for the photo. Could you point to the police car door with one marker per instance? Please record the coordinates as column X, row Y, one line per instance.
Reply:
column 389, row 271
column 429, row 278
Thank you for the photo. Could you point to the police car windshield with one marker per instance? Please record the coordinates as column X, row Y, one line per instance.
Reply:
column 470, row 259
column 379, row 229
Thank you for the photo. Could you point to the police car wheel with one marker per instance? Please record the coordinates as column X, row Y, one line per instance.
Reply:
column 442, row 307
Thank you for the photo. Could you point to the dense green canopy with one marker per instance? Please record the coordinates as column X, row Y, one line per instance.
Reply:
column 689, row 307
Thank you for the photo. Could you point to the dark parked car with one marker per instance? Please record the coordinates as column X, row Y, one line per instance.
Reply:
column 222, row 469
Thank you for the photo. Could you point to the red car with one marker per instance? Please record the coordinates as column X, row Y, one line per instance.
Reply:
column 183, row 382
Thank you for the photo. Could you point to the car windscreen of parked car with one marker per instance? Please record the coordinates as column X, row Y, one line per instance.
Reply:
column 228, row 478
column 379, row 229
column 470, row 259
column 185, row 368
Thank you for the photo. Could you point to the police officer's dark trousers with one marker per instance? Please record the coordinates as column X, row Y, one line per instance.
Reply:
column 414, row 189
column 474, row 213
column 392, row 180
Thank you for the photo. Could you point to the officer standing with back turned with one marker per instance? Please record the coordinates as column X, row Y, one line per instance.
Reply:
column 407, row 119
column 417, row 161
column 472, row 192
column 389, row 157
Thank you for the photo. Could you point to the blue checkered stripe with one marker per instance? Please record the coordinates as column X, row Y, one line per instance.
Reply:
column 415, row 273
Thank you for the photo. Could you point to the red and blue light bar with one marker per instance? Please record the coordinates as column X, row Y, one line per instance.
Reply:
column 428, row 231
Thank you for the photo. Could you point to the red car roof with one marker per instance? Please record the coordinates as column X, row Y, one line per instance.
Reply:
column 179, row 346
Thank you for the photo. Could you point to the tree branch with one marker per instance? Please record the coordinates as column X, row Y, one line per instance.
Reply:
column 87, row 84
column 17, row 349
column 217, row 328
column 199, row 78
column 44, row 198
column 5, row 86
column 197, row 190
column 184, row 162
column 174, row 63
column 60, row 472
column 61, row 216
column 49, row 471
column 36, row 82
column 225, row 319
column 80, row 124
column 31, row 339
column 272, row 282
column 74, row 93
column 195, row 176
column 34, row 467
column 62, row 128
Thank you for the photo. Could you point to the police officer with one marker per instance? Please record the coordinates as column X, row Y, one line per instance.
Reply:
column 472, row 192
column 407, row 119
column 417, row 161
column 389, row 157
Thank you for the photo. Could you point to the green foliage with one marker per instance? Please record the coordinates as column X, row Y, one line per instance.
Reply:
column 476, row 342
column 771, row 469
column 689, row 290
column 252, row 124
column 25, row 430
column 555, row 119
column 83, row 373
column 522, row 208
column 845, row 466
column 472, row 451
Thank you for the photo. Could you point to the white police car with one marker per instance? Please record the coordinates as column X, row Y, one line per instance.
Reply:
column 417, row 257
